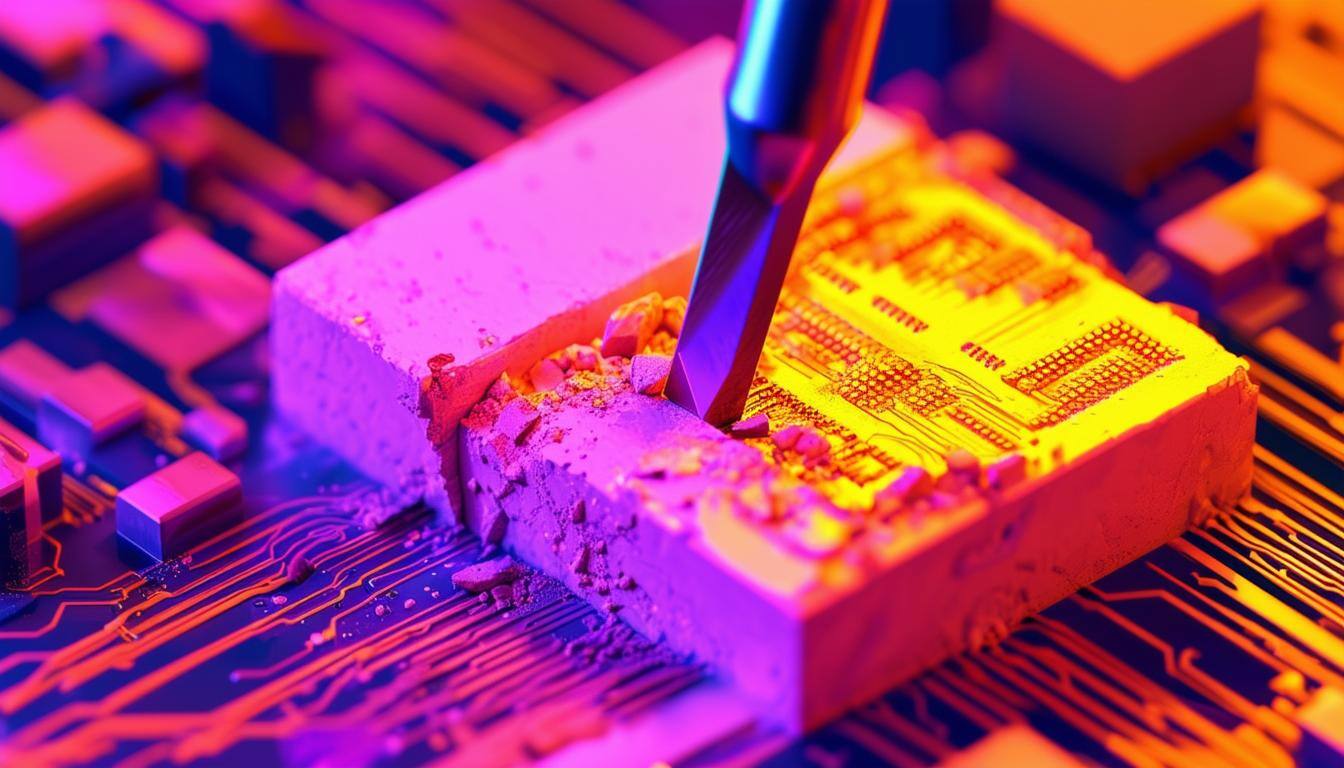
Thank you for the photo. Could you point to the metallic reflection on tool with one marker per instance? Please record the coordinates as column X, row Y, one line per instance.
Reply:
column 794, row 94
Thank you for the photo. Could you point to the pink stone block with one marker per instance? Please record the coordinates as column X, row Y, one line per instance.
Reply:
column 519, row 255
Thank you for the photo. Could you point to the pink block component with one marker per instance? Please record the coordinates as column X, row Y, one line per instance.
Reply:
column 88, row 408
column 43, row 463
column 52, row 36
column 27, row 372
column 20, row 522
column 217, row 431
column 78, row 190
column 179, row 506
column 1225, row 259
column 181, row 300
column 519, row 255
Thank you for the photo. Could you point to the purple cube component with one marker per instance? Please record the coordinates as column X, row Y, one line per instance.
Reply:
column 217, row 431
column 88, row 408
column 179, row 506
column 35, row 458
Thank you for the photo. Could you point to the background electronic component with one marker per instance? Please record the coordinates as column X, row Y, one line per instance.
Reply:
column 179, row 506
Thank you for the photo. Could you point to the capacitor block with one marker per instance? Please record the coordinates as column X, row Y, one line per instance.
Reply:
column 967, row 421
column 1124, row 89
column 20, row 521
column 78, row 191
column 523, row 253
column 1243, row 236
column 179, row 506
column 87, row 408
column 37, row 459
column 180, row 299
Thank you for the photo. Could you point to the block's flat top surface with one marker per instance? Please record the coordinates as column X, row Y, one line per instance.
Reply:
column 187, row 483
column 63, row 159
column 591, row 203
column 51, row 32
column 27, row 371
column 1128, row 37
column 1267, row 204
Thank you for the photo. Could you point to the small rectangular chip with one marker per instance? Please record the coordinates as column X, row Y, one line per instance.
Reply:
column 179, row 506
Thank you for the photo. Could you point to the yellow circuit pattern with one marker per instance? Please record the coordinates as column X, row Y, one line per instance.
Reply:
column 922, row 316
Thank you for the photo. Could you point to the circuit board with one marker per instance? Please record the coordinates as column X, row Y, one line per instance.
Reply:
column 326, row 629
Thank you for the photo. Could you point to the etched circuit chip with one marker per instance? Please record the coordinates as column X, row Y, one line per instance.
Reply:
column 923, row 486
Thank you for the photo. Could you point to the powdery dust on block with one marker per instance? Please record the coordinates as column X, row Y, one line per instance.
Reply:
column 521, row 254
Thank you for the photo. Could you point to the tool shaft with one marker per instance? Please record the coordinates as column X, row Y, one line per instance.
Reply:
column 797, row 86
column 795, row 91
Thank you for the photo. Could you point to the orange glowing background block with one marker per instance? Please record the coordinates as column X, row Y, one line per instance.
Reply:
column 958, row 420
column 1091, row 83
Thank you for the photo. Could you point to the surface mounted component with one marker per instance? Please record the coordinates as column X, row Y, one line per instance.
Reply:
column 943, row 384
column 1092, row 84
column 78, row 190
column 87, row 408
column 36, row 458
column 20, row 521
column 1244, row 235
column 620, row 187
column 217, row 431
column 28, row 371
column 179, row 506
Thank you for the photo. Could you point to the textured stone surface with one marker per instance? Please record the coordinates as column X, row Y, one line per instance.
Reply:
column 516, row 257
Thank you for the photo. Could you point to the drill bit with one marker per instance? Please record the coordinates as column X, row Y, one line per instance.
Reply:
column 794, row 93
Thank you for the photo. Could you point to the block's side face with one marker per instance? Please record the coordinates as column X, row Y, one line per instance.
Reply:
column 554, row 494
column 1033, row 546
column 331, row 382
column 1062, row 103
column 1187, row 101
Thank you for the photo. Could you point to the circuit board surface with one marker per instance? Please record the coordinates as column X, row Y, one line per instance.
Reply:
column 1218, row 649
